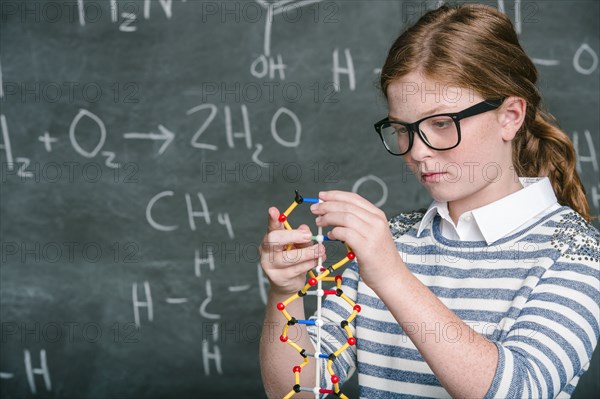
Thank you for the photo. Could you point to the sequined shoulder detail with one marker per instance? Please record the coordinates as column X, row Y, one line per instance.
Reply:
column 576, row 239
column 401, row 223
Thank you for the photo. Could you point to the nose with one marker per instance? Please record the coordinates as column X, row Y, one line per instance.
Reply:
column 419, row 150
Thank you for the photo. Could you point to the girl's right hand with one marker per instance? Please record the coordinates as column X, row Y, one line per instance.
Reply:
column 286, row 269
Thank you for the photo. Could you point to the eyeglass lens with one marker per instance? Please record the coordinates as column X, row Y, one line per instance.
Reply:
column 440, row 132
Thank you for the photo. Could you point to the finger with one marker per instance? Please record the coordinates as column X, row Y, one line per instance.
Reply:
column 293, row 257
column 292, row 271
column 273, row 221
column 336, row 206
column 303, row 268
column 349, row 236
column 305, row 228
column 348, row 220
column 277, row 240
column 300, row 255
column 352, row 198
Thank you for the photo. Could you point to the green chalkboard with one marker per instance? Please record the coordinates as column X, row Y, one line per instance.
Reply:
column 142, row 142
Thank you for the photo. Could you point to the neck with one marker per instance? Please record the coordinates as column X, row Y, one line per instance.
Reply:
column 492, row 192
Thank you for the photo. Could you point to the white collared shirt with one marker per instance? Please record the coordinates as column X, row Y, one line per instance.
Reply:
column 500, row 218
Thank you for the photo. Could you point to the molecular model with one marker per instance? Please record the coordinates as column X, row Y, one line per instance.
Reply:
column 316, row 278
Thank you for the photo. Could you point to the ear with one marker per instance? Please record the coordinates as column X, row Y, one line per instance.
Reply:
column 511, row 116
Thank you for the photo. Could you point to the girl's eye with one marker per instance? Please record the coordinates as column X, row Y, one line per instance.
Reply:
column 400, row 129
column 441, row 123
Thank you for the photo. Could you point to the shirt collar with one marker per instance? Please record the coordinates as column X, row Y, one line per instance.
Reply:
column 435, row 208
column 502, row 216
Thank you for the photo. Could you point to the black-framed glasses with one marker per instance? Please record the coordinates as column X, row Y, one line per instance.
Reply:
column 439, row 132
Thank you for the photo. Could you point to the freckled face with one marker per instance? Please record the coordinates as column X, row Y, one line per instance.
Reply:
column 466, row 170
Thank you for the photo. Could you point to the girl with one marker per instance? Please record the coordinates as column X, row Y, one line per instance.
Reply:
column 493, row 291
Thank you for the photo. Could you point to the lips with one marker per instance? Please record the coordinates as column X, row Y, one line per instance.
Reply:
column 432, row 177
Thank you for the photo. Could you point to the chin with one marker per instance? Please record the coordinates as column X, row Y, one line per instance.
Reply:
column 446, row 195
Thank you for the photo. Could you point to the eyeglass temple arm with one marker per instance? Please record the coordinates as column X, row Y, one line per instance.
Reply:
column 480, row 108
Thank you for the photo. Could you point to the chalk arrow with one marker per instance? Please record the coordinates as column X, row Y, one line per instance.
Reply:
column 165, row 134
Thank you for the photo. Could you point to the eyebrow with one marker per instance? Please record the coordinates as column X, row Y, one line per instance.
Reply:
column 434, row 111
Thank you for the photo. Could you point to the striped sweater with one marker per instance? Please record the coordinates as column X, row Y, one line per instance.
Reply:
column 535, row 294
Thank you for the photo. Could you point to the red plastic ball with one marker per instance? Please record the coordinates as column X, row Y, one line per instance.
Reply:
column 352, row 341
column 312, row 281
column 357, row 308
column 280, row 306
column 351, row 255
column 282, row 218
column 282, row 338
column 335, row 379
column 296, row 369
column 338, row 278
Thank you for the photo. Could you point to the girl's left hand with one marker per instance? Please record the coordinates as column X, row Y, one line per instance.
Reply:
column 364, row 227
